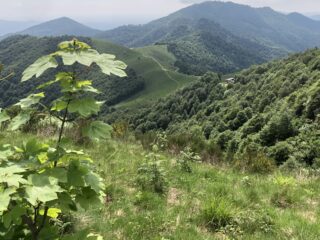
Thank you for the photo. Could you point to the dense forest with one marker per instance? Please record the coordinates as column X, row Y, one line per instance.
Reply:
column 205, row 46
column 273, row 107
column 17, row 52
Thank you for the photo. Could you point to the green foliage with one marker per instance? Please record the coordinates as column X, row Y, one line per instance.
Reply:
column 218, row 213
column 38, row 183
column 186, row 158
column 254, row 160
column 151, row 175
column 231, row 115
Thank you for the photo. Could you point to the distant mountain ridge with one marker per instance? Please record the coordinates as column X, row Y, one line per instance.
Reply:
column 59, row 27
column 214, row 36
column 293, row 32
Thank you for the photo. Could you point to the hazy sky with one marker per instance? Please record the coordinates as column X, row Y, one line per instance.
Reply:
column 123, row 11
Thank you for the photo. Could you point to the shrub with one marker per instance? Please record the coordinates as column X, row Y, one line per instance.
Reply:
column 186, row 158
column 278, row 129
column 282, row 198
column 224, row 138
column 217, row 213
column 151, row 176
column 290, row 165
column 254, row 160
column 280, row 152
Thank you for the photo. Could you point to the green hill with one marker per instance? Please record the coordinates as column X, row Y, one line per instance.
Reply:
column 222, row 37
column 262, row 25
column 147, row 79
column 158, row 81
column 161, row 54
column 275, row 107
column 59, row 27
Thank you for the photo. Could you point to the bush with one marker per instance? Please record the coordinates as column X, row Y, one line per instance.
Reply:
column 151, row 176
column 278, row 129
column 282, row 198
column 186, row 158
column 217, row 214
column 290, row 165
column 280, row 152
column 254, row 160
column 224, row 138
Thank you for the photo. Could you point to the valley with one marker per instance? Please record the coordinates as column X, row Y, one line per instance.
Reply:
column 201, row 124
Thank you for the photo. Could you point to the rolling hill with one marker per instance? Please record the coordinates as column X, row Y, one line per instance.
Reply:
column 147, row 79
column 222, row 37
column 263, row 25
column 59, row 27
column 202, row 45
column 275, row 107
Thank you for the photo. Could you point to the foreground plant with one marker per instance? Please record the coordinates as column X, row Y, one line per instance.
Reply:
column 38, row 182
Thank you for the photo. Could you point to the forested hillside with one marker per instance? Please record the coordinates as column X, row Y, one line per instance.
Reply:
column 222, row 37
column 17, row 52
column 262, row 25
column 274, row 107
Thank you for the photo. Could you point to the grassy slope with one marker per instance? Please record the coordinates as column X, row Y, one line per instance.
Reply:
column 161, row 54
column 131, row 214
column 159, row 81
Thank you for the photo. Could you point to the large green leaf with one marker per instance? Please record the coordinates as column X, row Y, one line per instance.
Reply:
column 39, row 67
column 95, row 182
column 5, row 152
column 10, row 176
column 84, row 57
column 110, row 66
column 30, row 100
column 21, row 119
column 97, row 130
column 59, row 105
column 42, row 189
column 85, row 106
column 76, row 173
column 73, row 45
column 88, row 198
column 14, row 216
column 5, row 198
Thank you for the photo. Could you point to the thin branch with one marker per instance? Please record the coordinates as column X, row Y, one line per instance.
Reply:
column 28, row 221
column 45, row 214
column 62, row 128
column 10, row 75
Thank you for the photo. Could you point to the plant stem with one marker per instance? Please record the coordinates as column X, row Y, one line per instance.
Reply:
column 64, row 119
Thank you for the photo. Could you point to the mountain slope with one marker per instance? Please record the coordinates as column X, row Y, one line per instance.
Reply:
column 202, row 45
column 275, row 107
column 147, row 80
column 263, row 25
column 222, row 37
column 59, row 27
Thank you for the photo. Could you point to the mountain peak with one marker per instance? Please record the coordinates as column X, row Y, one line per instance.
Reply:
column 60, row 26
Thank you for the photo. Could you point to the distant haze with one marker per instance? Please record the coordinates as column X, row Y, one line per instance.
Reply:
column 105, row 14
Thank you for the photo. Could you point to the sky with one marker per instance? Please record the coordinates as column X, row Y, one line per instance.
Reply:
column 118, row 12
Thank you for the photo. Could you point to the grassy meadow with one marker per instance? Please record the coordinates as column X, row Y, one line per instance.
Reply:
column 209, row 201
column 149, row 63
